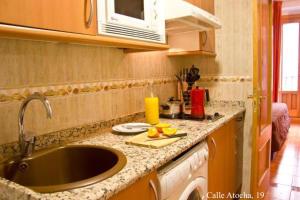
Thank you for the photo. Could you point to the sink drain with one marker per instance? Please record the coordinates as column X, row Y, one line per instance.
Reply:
column 23, row 166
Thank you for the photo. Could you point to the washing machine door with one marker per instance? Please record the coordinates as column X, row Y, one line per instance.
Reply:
column 196, row 190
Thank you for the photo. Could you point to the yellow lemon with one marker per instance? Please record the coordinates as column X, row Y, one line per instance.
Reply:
column 160, row 126
column 169, row 131
column 152, row 132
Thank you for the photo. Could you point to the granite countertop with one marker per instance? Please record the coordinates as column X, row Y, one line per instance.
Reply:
column 140, row 160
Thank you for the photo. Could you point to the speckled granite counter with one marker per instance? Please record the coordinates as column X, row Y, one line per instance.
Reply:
column 140, row 160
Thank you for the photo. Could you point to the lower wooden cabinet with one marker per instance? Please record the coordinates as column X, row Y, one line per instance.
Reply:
column 217, row 163
column 225, row 164
column 145, row 188
column 239, row 139
column 231, row 161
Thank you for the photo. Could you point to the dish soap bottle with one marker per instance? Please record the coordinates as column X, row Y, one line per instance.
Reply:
column 152, row 108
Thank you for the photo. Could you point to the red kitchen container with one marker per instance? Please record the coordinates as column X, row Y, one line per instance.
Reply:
column 197, row 101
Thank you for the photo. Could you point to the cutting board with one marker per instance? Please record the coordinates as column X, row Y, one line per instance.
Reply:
column 141, row 140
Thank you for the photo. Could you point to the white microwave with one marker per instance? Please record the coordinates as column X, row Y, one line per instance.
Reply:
column 135, row 19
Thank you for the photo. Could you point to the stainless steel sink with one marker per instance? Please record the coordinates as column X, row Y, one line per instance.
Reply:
column 64, row 168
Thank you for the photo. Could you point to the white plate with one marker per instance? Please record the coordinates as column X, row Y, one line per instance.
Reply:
column 131, row 128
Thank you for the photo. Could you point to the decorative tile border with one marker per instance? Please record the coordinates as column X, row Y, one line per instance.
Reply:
column 70, row 135
column 225, row 79
column 74, row 89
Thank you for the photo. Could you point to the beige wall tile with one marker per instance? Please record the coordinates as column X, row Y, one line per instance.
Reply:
column 32, row 63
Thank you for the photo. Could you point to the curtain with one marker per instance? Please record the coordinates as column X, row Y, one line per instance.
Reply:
column 277, row 32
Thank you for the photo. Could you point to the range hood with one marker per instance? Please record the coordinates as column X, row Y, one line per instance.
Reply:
column 182, row 16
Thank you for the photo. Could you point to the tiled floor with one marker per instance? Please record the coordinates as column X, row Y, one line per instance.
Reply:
column 285, row 169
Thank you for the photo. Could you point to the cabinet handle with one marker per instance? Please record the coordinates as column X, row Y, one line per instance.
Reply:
column 152, row 184
column 215, row 147
column 205, row 40
column 90, row 19
column 238, row 119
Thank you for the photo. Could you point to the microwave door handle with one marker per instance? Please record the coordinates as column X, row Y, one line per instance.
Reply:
column 90, row 19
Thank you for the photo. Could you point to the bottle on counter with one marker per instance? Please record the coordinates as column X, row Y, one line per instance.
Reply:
column 152, row 108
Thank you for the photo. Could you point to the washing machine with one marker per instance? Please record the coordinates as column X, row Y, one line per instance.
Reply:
column 185, row 177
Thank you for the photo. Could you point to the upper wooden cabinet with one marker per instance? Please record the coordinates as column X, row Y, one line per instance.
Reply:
column 76, row 16
column 207, row 5
column 194, row 42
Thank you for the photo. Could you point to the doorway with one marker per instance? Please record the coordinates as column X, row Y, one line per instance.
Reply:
column 289, row 91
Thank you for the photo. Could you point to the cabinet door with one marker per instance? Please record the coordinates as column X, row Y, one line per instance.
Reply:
column 239, row 140
column 239, row 160
column 197, row 3
column 207, row 5
column 231, row 156
column 222, row 164
column 145, row 188
column 217, row 162
column 77, row 16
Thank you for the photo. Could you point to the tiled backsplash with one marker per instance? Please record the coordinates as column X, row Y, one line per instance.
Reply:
column 33, row 64
column 85, row 84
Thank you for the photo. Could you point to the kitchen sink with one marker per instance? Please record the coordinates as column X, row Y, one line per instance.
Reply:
column 64, row 168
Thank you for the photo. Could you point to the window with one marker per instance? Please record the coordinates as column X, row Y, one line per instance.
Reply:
column 290, row 43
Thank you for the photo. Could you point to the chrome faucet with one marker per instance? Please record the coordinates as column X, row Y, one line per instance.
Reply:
column 26, row 142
